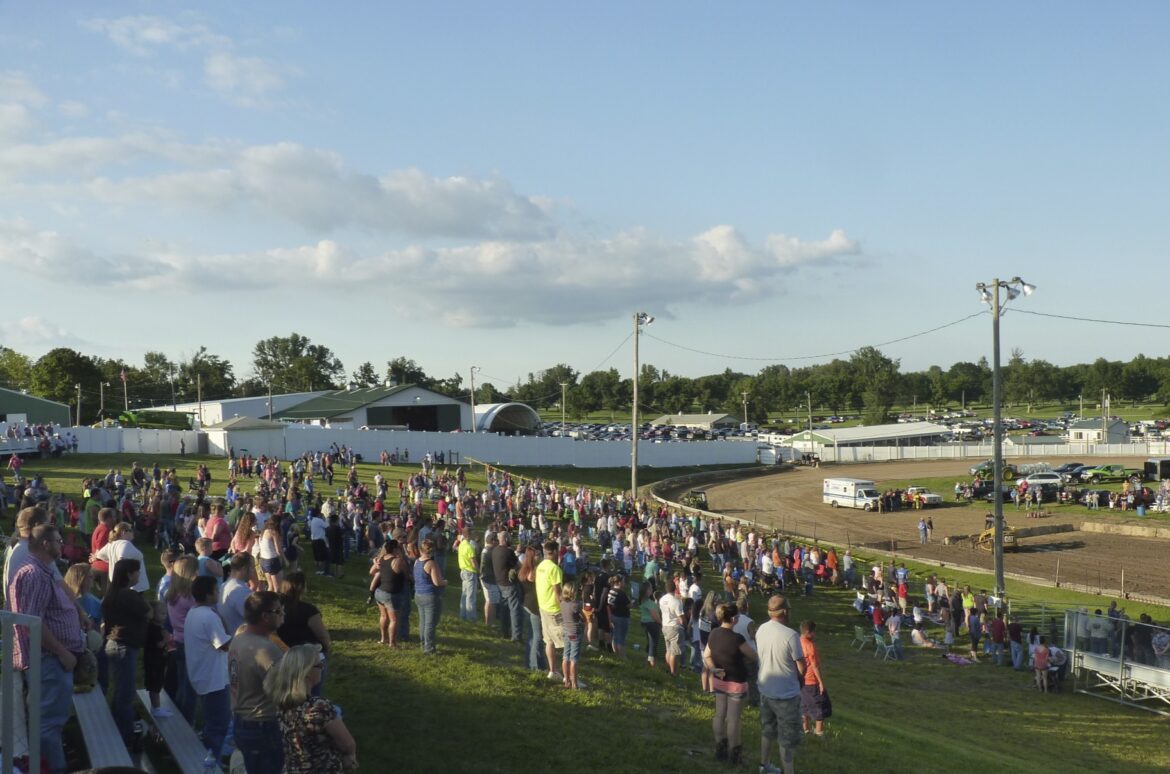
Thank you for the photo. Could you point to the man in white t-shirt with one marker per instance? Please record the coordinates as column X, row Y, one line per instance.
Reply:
column 234, row 592
column 206, row 645
column 672, row 627
column 781, row 674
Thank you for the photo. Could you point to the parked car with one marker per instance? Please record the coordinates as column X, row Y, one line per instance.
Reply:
column 1074, row 476
column 1048, row 477
column 1068, row 467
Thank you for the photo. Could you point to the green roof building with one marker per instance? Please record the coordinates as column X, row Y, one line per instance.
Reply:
column 19, row 407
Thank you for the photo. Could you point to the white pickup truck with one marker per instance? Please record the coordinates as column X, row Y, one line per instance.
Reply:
column 929, row 498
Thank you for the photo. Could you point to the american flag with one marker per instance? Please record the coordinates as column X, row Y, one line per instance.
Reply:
column 122, row 376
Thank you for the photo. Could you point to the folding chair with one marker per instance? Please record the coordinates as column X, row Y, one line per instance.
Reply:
column 883, row 646
column 860, row 638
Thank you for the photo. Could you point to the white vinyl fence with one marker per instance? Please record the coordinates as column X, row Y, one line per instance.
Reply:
column 291, row 441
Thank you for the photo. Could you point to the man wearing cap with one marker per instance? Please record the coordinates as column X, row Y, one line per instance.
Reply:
column 781, row 673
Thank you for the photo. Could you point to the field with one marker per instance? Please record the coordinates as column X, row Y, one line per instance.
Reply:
column 474, row 708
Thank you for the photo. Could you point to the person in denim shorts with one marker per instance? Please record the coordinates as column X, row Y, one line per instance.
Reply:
column 571, row 625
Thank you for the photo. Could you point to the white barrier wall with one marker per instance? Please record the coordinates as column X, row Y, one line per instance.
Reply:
column 290, row 442
column 986, row 451
column 128, row 440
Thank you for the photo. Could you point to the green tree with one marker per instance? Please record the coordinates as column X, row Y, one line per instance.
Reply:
column 15, row 369
column 1139, row 379
column 365, row 376
column 210, row 373
column 58, row 372
column 965, row 380
column 877, row 377
column 293, row 363
column 403, row 370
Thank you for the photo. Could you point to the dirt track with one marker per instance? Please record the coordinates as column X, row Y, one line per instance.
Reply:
column 791, row 501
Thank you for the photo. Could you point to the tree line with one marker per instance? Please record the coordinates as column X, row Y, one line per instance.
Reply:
column 869, row 383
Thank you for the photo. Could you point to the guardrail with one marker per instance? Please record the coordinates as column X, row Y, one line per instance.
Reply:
column 9, row 694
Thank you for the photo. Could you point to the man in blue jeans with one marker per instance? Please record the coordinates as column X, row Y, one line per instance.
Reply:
column 33, row 590
column 250, row 656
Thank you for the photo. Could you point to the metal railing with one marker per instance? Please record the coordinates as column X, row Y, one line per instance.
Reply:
column 9, row 693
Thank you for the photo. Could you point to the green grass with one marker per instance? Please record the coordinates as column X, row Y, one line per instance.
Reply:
column 474, row 708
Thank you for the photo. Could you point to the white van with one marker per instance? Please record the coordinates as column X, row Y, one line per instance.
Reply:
column 851, row 493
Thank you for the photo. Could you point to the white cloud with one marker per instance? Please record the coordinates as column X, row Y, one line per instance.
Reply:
column 311, row 188
column 242, row 78
column 248, row 81
column 72, row 109
column 16, row 87
column 15, row 120
column 561, row 280
column 144, row 35
column 31, row 330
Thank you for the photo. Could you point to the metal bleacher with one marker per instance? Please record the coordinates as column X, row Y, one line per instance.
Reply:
column 1118, row 675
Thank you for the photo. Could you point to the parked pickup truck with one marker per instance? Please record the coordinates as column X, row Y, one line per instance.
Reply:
column 929, row 498
column 1010, row 471
column 1101, row 473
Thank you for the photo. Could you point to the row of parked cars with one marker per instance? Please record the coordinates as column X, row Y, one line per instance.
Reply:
column 660, row 433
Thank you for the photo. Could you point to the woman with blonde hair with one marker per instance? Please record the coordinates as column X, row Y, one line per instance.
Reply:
column 314, row 735
column 179, row 602
column 271, row 551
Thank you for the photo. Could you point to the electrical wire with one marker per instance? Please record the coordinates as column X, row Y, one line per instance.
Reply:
column 1089, row 319
column 823, row 354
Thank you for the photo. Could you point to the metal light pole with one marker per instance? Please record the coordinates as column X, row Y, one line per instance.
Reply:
column 102, row 399
column 745, row 402
column 564, row 387
column 473, row 370
column 640, row 319
column 989, row 293
column 78, row 386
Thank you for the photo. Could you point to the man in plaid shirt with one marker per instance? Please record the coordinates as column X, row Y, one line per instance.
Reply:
column 33, row 590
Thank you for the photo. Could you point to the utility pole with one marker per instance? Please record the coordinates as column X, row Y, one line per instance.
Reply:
column 78, row 386
column 809, row 396
column 745, row 404
column 564, row 387
column 102, row 399
column 640, row 319
column 174, row 403
column 269, row 399
column 1104, row 416
column 199, row 395
column 473, row 422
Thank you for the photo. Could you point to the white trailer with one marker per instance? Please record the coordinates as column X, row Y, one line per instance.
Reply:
column 850, row 493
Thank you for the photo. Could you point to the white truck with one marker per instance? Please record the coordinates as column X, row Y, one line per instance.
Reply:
column 851, row 493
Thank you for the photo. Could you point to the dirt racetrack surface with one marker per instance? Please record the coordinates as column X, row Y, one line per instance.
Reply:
column 791, row 502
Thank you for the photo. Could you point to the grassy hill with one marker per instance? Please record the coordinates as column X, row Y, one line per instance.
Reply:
column 475, row 708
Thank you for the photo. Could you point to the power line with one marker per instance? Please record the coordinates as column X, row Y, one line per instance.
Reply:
column 1089, row 319
column 821, row 355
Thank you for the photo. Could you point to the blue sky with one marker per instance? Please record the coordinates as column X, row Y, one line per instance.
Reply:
column 505, row 184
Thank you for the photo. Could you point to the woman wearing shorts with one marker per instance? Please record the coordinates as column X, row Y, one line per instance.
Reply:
column 726, row 656
column 270, row 553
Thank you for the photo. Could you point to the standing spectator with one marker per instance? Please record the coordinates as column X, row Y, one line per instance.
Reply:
column 1016, row 643
column 468, row 575
column 673, row 618
column 34, row 590
column 548, row 596
column 571, row 625
column 505, row 566
column 303, row 624
column 725, row 657
column 533, row 633
column 650, row 616
column 317, row 534
column 617, row 604
column 218, row 532
column 487, row 576
column 250, row 656
column 335, row 536
column 313, row 735
column 388, row 577
column 271, row 552
column 812, row 690
column 234, row 593
column 126, row 616
column 428, row 594
column 179, row 604
column 922, row 531
column 207, row 666
column 998, row 635
column 122, row 547
column 1040, row 664
column 781, row 671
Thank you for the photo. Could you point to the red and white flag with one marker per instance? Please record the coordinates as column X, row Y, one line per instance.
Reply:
column 123, row 376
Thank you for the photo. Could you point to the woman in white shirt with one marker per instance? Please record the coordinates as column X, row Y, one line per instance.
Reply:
column 121, row 547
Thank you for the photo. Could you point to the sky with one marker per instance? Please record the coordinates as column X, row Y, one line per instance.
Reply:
column 505, row 185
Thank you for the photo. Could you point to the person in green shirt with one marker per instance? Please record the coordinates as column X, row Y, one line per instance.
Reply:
column 651, row 616
column 468, row 574
column 548, row 598
column 89, row 517
column 650, row 572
